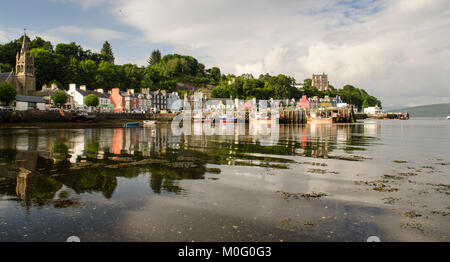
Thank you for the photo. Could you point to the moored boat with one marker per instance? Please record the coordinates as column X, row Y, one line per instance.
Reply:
column 84, row 117
column 227, row 119
column 313, row 118
column 134, row 124
column 448, row 117
column 260, row 118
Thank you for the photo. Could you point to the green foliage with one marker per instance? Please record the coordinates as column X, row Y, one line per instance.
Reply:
column 91, row 100
column 7, row 93
column 155, row 57
column 107, row 52
column 5, row 67
column 48, row 66
column 60, row 98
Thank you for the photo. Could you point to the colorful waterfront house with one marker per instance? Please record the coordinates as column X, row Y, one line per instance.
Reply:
column 159, row 100
column 314, row 102
column 304, row 103
column 336, row 101
column 104, row 101
column 117, row 100
column 325, row 102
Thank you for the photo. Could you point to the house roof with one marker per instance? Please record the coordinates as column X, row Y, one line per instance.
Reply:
column 5, row 76
column 34, row 99
column 90, row 92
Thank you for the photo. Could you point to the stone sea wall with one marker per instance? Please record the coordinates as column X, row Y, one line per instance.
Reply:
column 34, row 116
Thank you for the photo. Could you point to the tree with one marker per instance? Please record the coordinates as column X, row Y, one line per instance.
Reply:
column 155, row 57
column 48, row 66
column 5, row 67
column 91, row 100
column 107, row 52
column 215, row 74
column 68, row 50
column 60, row 98
column 7, row 93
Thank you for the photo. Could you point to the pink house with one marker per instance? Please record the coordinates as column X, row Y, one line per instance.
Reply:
column 118, row 100
column 304, row 103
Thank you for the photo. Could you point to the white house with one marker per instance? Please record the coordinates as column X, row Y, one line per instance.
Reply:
column 24, row 103
column 174, row 103
column 79, row 95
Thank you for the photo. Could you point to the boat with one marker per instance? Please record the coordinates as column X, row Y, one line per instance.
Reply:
column 84, row 117
column 149, row 122
column 225, row 119
column 313, row 118
column 260, row 118
column 448, row 117
column 133, row 124
column 198, row 118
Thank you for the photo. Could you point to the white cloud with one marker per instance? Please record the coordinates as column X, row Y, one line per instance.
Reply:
column 95, row 34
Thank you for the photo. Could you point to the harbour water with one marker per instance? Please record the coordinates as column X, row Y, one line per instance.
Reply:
column 340, row 182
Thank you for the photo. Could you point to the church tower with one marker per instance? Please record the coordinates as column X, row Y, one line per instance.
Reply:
column 25, row 70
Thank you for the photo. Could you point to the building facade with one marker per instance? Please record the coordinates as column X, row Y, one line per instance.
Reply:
column 320, row 81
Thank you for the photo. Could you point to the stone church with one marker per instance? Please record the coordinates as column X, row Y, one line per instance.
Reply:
column 23, row 79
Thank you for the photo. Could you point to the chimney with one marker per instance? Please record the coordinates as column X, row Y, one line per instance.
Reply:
column 72, row 87
column 99, row 90
column 54, row 86
column 130, row 91
column 83, row 87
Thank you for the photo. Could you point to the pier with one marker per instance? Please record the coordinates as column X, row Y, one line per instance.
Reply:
column 342, row 115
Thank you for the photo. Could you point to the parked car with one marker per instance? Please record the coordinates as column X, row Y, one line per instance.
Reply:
column 53, row 108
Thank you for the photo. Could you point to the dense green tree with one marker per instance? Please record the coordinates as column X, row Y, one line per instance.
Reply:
column 69, row 51
column 41, row 43
column 88, row 73
column 91, row 100
column 155, row 57
column 7, row 92
column 5, row 67
column 9, row 51
column 215, row 75
column 48, row 66
column 107, row 52
column 60, row 98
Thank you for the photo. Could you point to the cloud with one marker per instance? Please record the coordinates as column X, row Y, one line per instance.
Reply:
column 95, row 34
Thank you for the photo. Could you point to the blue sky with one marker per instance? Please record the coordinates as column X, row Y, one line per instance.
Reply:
column 395, row 49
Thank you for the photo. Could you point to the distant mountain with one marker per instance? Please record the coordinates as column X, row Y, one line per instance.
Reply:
column 436, row 110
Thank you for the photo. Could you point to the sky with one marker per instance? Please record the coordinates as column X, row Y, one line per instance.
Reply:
column 397, row 50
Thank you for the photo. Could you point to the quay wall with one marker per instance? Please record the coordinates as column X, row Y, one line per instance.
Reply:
column 35, row 116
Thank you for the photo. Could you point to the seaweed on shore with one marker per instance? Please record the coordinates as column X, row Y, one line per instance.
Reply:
column 307, row 196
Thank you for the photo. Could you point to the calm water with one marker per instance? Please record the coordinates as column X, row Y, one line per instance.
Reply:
column 308, row 183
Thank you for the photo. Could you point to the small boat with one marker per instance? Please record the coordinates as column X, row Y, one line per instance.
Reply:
column 149, row 123
column 260, row 118
column 313, row 118
column 134, row 124
column 448, row 117
column 227, row 119
column 84, row 117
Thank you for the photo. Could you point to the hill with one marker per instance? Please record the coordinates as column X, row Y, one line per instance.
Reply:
column 435, row 110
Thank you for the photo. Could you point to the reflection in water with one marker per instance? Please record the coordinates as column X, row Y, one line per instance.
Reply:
column 50, row 160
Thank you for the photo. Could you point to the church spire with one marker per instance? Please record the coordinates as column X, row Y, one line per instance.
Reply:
column 25, row 68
